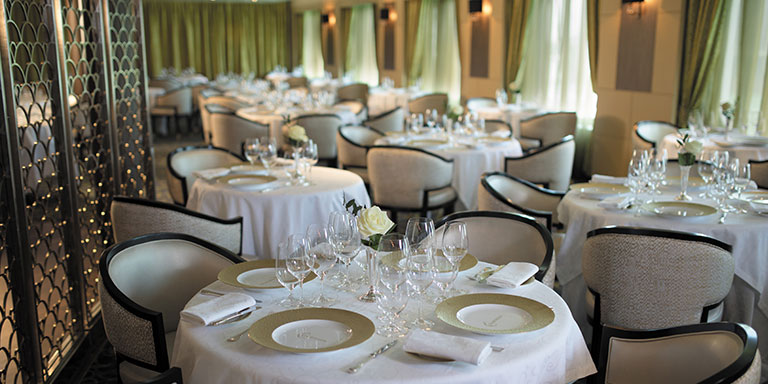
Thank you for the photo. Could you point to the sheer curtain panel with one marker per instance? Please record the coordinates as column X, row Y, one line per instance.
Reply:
column 361, row 47
column 311, row 48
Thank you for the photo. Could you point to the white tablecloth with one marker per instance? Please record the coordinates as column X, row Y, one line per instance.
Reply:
column 469, row 163
column 510, row 113
column 270, row 217
column 277, row 118
column 381, row 100
column 743, row 152
column 554, row 354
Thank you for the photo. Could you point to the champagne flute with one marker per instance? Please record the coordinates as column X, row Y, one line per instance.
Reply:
column 321, row 258
column 287, row 279
column 251, row 149
column 419, row 232
column 455, row 246
column 346, row 241
column 294, row 250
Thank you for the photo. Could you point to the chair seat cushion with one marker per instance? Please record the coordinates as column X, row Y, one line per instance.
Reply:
column 440, row 196
column 131, row 373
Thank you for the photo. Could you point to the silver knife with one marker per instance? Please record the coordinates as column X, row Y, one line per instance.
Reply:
column 236, row 314
column 355, row 368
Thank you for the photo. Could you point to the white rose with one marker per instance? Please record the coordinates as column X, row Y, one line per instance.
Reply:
column 297, row 133
column 372, row 221
column 693, row 146
column 457, row 110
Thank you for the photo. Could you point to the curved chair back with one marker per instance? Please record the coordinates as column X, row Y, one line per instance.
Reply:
column 699, row 353
column 229, row 130
column 498, row 125
column 501, row 192
column 437, row 101
column 145, row 283
column 390, row 121
column 760, row 173
column 297, row 82
column 197, row 91
column 549, row 128
column 226, row 101
column 203, row 102
column 353, row 143
column 550, row 166
column 393, row 187
column 357, row 91
column 650, row 278
column 321, row 129
column 481, row 102
column 648, row 133
column 357, row 107
column 503, row 237
column 180, row 99
column 182, row 162
column 133, row 217
column 611, row 147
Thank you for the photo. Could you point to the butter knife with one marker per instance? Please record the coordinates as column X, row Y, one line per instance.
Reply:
column 355, row 368
column 236, row 314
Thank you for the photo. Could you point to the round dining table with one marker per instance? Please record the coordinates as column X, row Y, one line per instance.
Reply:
column 556, row 353
column 271, row 215
column 718, row 142
column 382, row 99
column 512, row 114
column 471, row 158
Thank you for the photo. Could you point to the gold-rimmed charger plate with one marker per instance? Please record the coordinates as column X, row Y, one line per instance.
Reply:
column 598, row 190
column 467, row 262
column 254, row 274
column 494, row 313
column 311, row 330
column 679, row 210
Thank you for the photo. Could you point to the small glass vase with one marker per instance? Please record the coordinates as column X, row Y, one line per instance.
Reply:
column 370, row 259
column 297, row 174
column 685, row 171
column 728, row 128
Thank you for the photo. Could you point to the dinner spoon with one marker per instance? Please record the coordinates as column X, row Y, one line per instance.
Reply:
column 234, row 338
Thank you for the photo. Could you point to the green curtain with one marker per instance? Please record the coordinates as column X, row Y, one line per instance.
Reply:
column 593, row 25
column 517, row 16
column 703, row 24
column 216, row 37
column 297, row 35
column 361, row 61
column 346, row 14
column 436, row 59
column 412, row 8
column 312, row 51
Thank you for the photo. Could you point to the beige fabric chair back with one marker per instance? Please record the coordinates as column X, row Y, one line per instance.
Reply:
column 166, row 84
column 357, row 91
column 297, row 82
column 611, row 147
column 226, row 101
column 549, row 127
column 649, row 279
column 229, row 131
column 180, row 99
column 391, row 121
column 476, row 103
column 503, row 237
column 437, row 101
column 133, row 217
column 357, row 107
column 202, row 102
column 498, row 125
column 501, row 192
column 648, row 133
column 717, row 352
column 196, row 92
column 148, row 274
column 322, row 130
column 760, row 173
column 182, row 162
column 353, row 143
column 393, row 186
column 549, row 166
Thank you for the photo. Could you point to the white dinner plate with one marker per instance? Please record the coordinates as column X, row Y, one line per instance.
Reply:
column 263, row 277
column 494, row 313
column 680, row 210
column 495, row 317
column 598, row 191
column 249, row 182
column 247, row 169
column 312, row 334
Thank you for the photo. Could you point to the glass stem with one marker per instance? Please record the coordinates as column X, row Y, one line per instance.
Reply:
column 322, row 284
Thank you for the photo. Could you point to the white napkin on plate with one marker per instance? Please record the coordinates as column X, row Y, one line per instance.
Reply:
column 616, row 202
column 447, row 346
column 512, row 275
column 597, row 178
column 210, row 174
column 217, row 308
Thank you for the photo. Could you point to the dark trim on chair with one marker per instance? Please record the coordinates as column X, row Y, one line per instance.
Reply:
column 348, row 140
column 545, row 234
column 381, row 115
column 528, row 211
column 707, row 309
column 539, row 150
column 415, row 149
column 728, row 374
column 171, row 376
column 642, row 122
column 183, row 210
column 184, row 192
column 664, row 233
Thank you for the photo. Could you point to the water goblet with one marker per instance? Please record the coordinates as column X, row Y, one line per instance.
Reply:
column 294, row 251
column 455, row 245
column 420, row 275
column 321, row 257
column 286, row 279
column 346, row 241
column 268, row 152
column 251, row 149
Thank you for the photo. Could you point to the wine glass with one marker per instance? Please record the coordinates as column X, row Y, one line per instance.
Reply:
column 455, row 245
column 346, row 241
column 310, row 155
column 501, row 97
column 287, row 279
column 391, row 282
column 706, row 167
column 742, row 173
column 321, row 257
column 419, row 232
column 268, row 152
column 294, row 251
column 251, row 149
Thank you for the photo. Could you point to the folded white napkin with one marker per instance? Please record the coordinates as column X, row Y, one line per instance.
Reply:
column 209, row 174
column 615, row 202
column 513, row 275
column 217, row 308
column 596, row 178
column 448, row 347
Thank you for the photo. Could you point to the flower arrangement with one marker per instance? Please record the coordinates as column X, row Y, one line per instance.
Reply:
column 372, row 223
column 689, row 149
column 455, row 112
column 728, row 111
column 296, row 135
column 514, row 87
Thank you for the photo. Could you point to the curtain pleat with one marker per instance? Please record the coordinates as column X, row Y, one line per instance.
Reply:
column 412, row 9
column 593, row 24
column 312, row 54
column 361, row 63
column 216, row 37
column 517, row 17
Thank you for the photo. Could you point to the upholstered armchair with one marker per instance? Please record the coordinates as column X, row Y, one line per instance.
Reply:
column 760, row 173
column 353, row 144
column 182, row 162
column 438, row 101
column 357, row 107
column 145, row 283
column 424, row 187
column 229, row 130
column 390, row 121
column 501, row 192
column 503, row 237
column 173, row 104
column 549, row 128
column 321, row 128
column 649, row 133
column 550, row 166
column 357, row 91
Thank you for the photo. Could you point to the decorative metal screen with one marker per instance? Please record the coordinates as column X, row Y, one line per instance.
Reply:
column 69, row 144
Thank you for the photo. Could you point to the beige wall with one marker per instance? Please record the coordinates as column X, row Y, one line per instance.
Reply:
column 623, row 108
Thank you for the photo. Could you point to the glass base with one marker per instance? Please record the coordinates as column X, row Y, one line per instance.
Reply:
column 423, row 324
column 368, row 297
column 324, row 301
column 683, row 197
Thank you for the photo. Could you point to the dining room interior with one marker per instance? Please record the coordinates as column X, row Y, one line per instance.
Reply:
column 384, row 191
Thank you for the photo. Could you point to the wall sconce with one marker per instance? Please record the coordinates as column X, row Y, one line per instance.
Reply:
column 332, row 19
column 388, row 14
column 633, row 7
